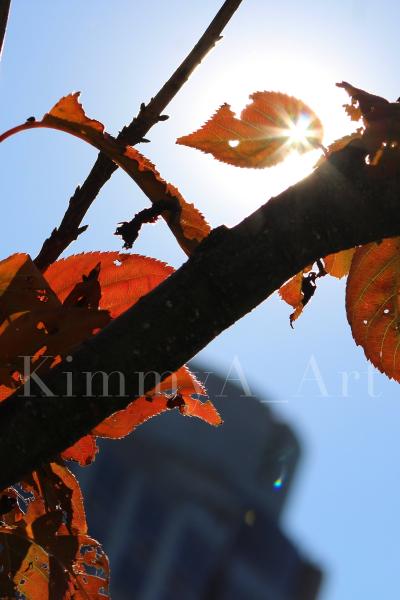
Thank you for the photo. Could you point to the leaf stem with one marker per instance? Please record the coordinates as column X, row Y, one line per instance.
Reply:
column 148, row 115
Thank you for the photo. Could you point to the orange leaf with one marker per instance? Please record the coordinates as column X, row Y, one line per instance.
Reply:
column 291, row 292
column 181, row 385
column 371, row 107
column 46, row 552
column 22, row 287
column 381, row 118
column 192, row 407
column 114, row 282
column 353, row 112
column 83, row 451
column 55, row 489
column 269, row 128
column 372, row 303
column 298, row 291
column 33, row 322
column 123, row 280
column 338, row 264
column 185, row 221
column 32, row 572
column 182, row 379
column 125, row 421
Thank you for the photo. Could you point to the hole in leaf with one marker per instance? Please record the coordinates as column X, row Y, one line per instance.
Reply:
column 233, row 143
column 42, row 295
column 85, row 549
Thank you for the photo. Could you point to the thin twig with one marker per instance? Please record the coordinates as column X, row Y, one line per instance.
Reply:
column 129, row 231
column 4, row 11
column 148, row 115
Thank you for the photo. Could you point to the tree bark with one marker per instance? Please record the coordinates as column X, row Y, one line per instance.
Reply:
column 344, row 203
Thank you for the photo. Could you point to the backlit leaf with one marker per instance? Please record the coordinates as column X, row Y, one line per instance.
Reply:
column 185, row 221
column 372, row 303
column 83, row 451
column 290, row 292
column 353, row 112
column 380, row 117
column 84, row 292
column 206, row 411
column 369, row 106
column 22, row 287
column 45, row 551
column 183, row 383
column 269, row 128
column 338, row 264
column 34, row 323
column 299, row 290
column 123, row 280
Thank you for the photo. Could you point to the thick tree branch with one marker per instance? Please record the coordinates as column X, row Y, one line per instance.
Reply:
column 342, row 204
column 149, row 114
column 4, row 11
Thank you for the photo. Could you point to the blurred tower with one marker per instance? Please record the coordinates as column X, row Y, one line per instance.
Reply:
column 186, row 511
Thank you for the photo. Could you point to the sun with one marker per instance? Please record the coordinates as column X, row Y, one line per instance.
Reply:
column 299, row 133
column 311, row 82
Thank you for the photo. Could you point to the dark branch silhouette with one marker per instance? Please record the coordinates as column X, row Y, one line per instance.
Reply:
column 344, row 203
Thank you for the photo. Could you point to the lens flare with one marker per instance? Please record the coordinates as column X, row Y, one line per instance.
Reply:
column 299, row 133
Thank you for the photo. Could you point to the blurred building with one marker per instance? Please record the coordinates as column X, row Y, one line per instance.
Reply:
column 187, row 511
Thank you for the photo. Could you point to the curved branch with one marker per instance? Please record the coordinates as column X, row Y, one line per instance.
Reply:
column 132, row 134
column 342, row 204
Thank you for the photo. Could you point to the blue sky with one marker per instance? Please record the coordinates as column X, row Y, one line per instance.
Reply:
column 344, row 507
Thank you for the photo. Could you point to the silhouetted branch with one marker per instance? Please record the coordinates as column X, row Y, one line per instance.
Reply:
column 129, row 230
column 148, row 115
column 4, row 11
column 344, row 203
